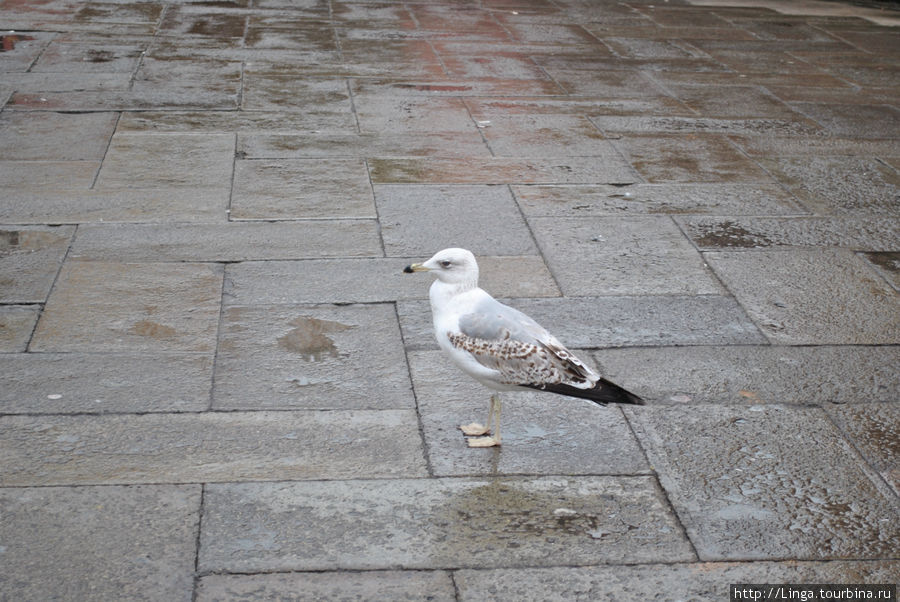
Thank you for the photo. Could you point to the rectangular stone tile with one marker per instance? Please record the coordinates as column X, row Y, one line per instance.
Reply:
column 378, row 53
column 55, row 136
column 503, row 63
column 263, row 123
column 63, row 383
column 716, row 233
column 546, row 136
column 108, row 306
column 767, row 482
column 671, row 158
column 235, row 241
column 99, row 543
column 442, row 86
column 372, row 280
column 437, row 523
column 34, row 83
column 670, row 199
column 695, row 581
column 25, row 179
column 854, row 120
column 381, row 113
column 760, row 374
column 311, row 357
column 209, row 447
column 839, row 185
column 621, row 321
column 399, row 586
column 487, row 108
column 501, row 170
column 326, row 99
column 91, row 54
column 887, row 264
column 736, row 102
column 794, row 146
column 141, row 97
column 873, row 429
column 592, row 256
column 16, row 325
column 677, row 124
column 542, row 433
column 811, row 296
column 382, row 145
column 418, row 220
column 30, row 258
column 302, row 188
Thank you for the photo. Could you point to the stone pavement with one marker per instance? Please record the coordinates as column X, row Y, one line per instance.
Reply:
column 216, row 384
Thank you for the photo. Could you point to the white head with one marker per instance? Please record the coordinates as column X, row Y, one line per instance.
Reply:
column 453, row 266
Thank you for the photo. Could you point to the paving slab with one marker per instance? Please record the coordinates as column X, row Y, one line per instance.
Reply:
column 328, row 100
column 767, row 482
column 669, row 199
column 273, row 189
column 209, row 447
column 594, row 256
column 73, row 383
column 112, row 307
column 542, row 433
column 854, row 120
column 873, row 429
column 696, row 581
column 838, row 185
column 444, row 86
column 756, row 374
column 372, row 280
column 420, row 220
column 436, row 523
column 722, row 233
column 216, row 122
column 887, row 264
column 402, row 586
column 227, row 242
column 501, row 170
column 672, row 158
column 16, row 326
column 811, row 296
column 311, row 357
column 22, row 180
column 380, row 113
column 544, row 135
column 816, row 147
column 384, row 145
column 55, row 136
column 615, row 321
column 87, row 543
column 614, row 125
column 30, row 258
column 91, row 54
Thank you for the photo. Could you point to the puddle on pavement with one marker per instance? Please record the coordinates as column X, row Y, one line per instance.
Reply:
column 309, row 338
column 8, row 42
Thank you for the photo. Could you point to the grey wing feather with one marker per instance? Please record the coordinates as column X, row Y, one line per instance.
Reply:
column 493, row 321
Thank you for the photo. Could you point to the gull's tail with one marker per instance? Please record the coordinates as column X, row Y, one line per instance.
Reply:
column 602, row 393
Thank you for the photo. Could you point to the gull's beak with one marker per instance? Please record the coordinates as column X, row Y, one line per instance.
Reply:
column 415, row 267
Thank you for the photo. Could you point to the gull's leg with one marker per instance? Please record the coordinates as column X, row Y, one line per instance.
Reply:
column 493, row 417
column 475, row 429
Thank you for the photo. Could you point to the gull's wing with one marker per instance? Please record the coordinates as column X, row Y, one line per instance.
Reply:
column 521, row 350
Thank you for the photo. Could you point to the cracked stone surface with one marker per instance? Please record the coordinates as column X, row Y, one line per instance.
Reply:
column 216, row 382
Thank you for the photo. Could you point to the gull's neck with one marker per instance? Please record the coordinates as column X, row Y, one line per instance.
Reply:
column 444, row 290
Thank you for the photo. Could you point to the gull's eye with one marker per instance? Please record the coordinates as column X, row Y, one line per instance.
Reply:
column 445, row 263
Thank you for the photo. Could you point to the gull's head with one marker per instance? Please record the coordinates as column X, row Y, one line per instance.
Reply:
column 453, row 266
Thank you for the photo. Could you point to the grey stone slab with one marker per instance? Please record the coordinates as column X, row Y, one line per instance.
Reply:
column 593, row 256
column 442, row 86
column 887, row 264
column 326, row 99
column 840, row 185
column 620, row 321
column 736, row 102
column 261, row 123
column 855, row 120
column 234, row 241
column 30, row 258
column 372, row 280
column 614, row 125
column 21, row 50
column 209, row 447
column 437, row 523
column 16, row 325
column 759, row 374
column 311, row 357
column 24, row 179
column 99, row 543
column 672, row 158
column 501, row 170
column 671, row 199
column 873, row 429
column 63, row 383
column 55, row 136
column 421, row 220
column 696, row 581
column 90, row 54
column 794, row 146
column 546, row 136
column 377, row 113
column 302, row 188
column 542, row 433
column 383, row 145
column 811, row 296
column 402, row 586
column 488, row 107
column 863, row 233
column 767, row 482
column 109, row 306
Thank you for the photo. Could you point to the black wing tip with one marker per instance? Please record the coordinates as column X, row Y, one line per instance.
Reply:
column 602, row 393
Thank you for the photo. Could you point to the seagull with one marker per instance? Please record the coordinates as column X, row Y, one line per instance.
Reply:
column 501, row 347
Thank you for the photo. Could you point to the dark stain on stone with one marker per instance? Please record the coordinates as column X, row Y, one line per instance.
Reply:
column 730, row 235
column 8, row 43
column 889, row 261
column 309, row 338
